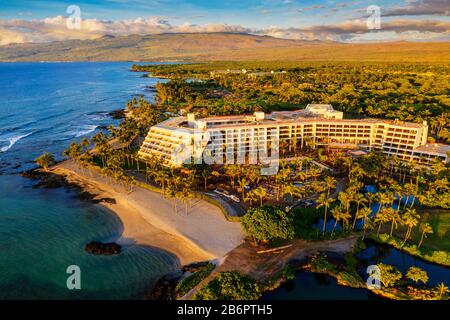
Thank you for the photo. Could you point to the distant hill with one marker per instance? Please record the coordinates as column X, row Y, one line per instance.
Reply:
column 221, row 46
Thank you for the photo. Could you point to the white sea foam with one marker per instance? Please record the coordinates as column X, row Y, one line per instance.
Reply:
column 100, row 116
column 85, row 130
column 12, row 141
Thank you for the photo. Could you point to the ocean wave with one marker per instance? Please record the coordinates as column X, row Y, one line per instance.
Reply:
column 99, row 116
column 85, row 130
column 12, row 141
column 15, row 128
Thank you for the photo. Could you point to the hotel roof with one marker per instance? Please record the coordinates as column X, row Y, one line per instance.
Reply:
column 434, row 148
column 276, row 117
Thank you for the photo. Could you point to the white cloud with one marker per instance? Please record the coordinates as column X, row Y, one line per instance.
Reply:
column 55, row 29
column 420, row 7
column 357, row 30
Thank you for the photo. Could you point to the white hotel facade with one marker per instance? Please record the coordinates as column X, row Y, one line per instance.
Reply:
column 229, row 138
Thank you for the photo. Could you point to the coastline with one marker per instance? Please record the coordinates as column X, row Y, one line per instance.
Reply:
column 149, row 219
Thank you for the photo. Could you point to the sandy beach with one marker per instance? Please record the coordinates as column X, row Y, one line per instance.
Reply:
column 150, row 219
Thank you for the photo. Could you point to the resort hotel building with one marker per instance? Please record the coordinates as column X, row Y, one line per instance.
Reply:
column 230, row 139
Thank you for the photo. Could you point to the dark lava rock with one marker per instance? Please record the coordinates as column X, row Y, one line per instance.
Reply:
column 117, row 114
column 194, row 267
column 84, row 195
column 50, row 180
column 150, row 89
column 107, row 200
column 46, row 179
column 107, row 249
column 165, row 288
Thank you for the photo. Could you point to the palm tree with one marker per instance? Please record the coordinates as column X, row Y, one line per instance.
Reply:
column 135, row 157
column 417, row 274
column 348, row 162
column 290, row 190
column 397, row 191
column 419, row 179
column 74, row 151
column 410, row 219
column 371, row 198
column 391, row 197
column 45, row 160
column 359, row 199
column 329, row 183
column 161, row 177
column 185, row 196
column 382, row 217
column 172, row 193
column 261, row 192
column 426, row 229
column 395, row 219
column 281, row 179
column 344, row 199
column 243, row 183
column 363, row 214
column 356, row 173
column 298, row 162
column 85, row 143
column 206, row 173
column 368, row 225
column 339, row 214
column 345, row 218
column 384, row 199
column 251, row 196
column 441, row 290
column 324, row 201
column 232, row 171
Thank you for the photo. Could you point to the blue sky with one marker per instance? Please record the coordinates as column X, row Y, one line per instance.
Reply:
column 252, row 14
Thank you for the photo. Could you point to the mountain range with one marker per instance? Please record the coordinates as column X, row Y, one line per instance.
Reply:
column 191, row 47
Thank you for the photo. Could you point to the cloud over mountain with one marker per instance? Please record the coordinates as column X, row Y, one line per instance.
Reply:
column 55, row 29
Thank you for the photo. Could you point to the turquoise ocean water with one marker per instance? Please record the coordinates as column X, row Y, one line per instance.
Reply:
column 45, row 106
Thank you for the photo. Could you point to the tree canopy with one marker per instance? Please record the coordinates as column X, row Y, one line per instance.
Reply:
column 230, row 286
column 268, row 223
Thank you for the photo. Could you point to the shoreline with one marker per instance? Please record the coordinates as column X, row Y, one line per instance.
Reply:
column 149, row 219
column 266, row 267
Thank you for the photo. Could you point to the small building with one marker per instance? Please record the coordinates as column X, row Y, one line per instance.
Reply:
column 255, row 75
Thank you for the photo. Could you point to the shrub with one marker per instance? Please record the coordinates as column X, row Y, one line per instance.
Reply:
column 416, row 274
column 389, row 274
column 190, row 282
column 230, row 286
column 288, row 272
column 268, row 223
column 320, row 264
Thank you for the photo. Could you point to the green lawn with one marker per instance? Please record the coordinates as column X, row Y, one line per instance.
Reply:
column 440, row 222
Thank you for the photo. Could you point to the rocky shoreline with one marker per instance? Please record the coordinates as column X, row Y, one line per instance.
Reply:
column 51, row 180
column 165, row 287
column 117, row 114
